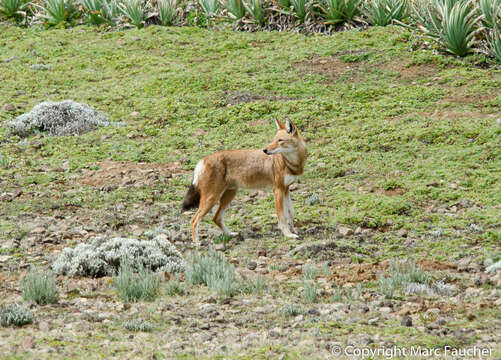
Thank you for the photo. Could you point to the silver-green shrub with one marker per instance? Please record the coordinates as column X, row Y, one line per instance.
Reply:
column 103, row 257
column 40, row 286
column 15, row 314
column 138, row 325
column 58, row 118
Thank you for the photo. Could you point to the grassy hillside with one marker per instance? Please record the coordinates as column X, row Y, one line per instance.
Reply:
column 403, row 146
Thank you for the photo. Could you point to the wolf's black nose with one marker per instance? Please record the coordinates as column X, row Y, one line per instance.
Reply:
column 265, row 151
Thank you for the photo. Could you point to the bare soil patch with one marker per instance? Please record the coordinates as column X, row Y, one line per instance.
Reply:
column 412, row 72
column 332, row 67
column 124, row 173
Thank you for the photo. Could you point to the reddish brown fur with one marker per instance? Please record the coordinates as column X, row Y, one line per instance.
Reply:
column 225, row 171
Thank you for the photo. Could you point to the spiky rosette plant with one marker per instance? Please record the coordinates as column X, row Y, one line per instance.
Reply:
column 490, row 11
column 339, row 11
column 256, row 11
column 453, row 24
column 13, row 9
column 385, row 12
column 57, row 12
column 235, row 9
column 135, row 12
column 168, row 12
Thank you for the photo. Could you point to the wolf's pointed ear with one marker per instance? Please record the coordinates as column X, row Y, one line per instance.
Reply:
column 291, row 129
column 280, row 125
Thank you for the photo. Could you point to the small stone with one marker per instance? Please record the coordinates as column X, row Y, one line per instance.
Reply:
column 406, row 321
column 373, row 321
column 367, row 340
column 220, row 247
column 358, row 230
column 344, row 231
column 28, row 343
column 9, row 107
column 252, row 265
column 204, row 327
column 261, row 252
column 134, row 113
column 385, row 310
column 498, row 121
column 441, row 322
column 402, row 233
column 37, row 230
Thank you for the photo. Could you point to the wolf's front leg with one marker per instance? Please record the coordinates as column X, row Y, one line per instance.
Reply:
column 283, row 212
column 290, row 207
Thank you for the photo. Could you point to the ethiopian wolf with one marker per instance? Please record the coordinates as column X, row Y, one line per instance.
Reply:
column 218, row 176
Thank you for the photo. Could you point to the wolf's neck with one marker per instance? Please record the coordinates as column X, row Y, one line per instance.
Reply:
column 295, row 161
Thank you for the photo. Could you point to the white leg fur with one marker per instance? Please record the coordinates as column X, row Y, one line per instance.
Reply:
column 225, row 229
column 284, row 224
column 290, row 212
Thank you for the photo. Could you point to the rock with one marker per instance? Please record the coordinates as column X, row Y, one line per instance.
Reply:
column 28, row 343
column 252, row 265
column 274, row 333
column 406, row 321
column 441, row 322
column 367, row 340
column 358, row 230
column 261, row 252
column 463, row 263
column 434, row 311
column 385, row 310
column 220, row 247
column 373, row 321
column 37, row 230
column 9, row 107
column 364, row 309
column 498, row 121
column 204, row 327
column 344, row 231
column 402, row 233
column 134, row 113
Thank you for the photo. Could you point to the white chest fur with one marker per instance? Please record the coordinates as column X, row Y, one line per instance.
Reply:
column 289, row 179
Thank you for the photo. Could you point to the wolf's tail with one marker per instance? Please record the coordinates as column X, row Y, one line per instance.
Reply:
column 192, row 198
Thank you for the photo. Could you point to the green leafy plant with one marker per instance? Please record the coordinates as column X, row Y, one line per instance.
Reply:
column 385, row 12
column 284, row 4
column 494, row 41
column 209, row 7
column 254, row 285
column 134, row 287
column 292, row 310
column 40, row 286
column 57, row 12
column 256, row 11
column 491, row 13
column 235, row 8
column 339, row 11
column 168, row 12
column 13, row 9
column 451, row 23
column 135, row 11
column 300, row 9
column 94, row 11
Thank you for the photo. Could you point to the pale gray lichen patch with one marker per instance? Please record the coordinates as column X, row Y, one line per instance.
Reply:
column 103, row 257
column 58, row 118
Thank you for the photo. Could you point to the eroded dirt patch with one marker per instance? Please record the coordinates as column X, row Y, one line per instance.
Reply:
column 124, row 173
column 411, row 72
column 332, row 67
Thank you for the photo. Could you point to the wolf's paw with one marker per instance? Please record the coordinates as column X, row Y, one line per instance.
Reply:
column 232, row 233
column 291, row 235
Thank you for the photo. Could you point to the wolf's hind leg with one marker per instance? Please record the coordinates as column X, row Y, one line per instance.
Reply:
column 225, row 200
column 205, row 205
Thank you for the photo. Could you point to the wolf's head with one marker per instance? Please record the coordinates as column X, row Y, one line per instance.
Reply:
column 286, row 141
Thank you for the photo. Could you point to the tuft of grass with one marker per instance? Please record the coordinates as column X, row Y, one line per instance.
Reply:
column 40, row 286
column 309, row 294
column 137, row 325
column 292, row 310
column 4, row 161
column 340, row 11
column 16, row 315
column 214, row 271
column 255, row 285
column 175, row 287
column 134, row 287
column 167, row 12
column 310, row 272
column 135, row 11
column 344, row 294
column 284, row 4
column 401, row 274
